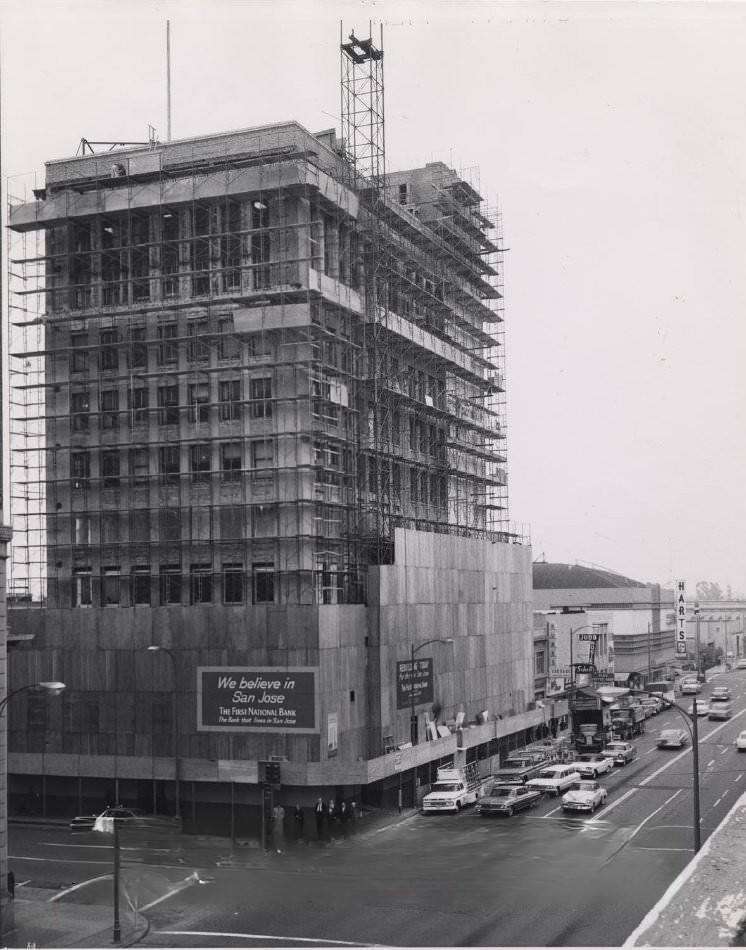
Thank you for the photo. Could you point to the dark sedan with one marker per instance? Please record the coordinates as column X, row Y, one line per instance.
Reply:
column 508, row 799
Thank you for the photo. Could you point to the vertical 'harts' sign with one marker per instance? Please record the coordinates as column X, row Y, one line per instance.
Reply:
column 258, row 699
column 680, row 587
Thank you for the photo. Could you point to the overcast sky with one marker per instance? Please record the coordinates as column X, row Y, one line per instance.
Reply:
column 613, row 137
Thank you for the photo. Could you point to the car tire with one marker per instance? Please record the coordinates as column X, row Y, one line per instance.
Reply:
column 458, row 806
column 511, row 812
column 595, row 773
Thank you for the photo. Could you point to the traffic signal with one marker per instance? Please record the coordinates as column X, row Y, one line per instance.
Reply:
column 272, row 773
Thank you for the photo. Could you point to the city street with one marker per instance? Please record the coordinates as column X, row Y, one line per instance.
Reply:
column 539, row 878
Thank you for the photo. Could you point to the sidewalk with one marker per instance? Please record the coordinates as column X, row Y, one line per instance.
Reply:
column 42, row 922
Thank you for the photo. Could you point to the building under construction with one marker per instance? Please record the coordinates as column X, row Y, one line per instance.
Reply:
column 258, row 421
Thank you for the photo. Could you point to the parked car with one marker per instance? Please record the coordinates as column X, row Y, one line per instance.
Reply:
column 741, row 663
column 620, row 752
column 507, row 799
column 720, row 709
column 720, row 692
column 740, row 742
column 554, row 779
column 701, row 706
column 127, row 817
column 592, row 764
column 652, row 706
column 585, row 795
column 672, row 739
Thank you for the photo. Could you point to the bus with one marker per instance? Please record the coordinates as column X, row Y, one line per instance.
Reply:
column 662, row 688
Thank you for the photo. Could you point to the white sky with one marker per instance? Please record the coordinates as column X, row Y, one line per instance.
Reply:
column 613, row 136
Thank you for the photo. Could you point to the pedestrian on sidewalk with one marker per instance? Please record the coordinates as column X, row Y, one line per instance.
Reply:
column 298, row 818
column 319, row 812
column 278, row 828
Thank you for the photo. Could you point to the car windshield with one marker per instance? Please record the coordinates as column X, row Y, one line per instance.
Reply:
column 586, row 757
column 586, row 786
column 719, row 699
column 742, row 735
column 547, row 774
column 447, row 787
column 501, row 793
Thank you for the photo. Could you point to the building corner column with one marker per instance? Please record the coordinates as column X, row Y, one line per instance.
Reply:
column 7, row 915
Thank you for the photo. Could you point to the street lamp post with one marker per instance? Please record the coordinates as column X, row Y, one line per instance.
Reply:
column 53, row 688
column 413, row 729
column 153, row 648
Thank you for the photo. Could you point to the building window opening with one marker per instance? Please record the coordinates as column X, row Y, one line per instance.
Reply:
column 82, row 587
column 263, row 582
column 229, row 398
column 200, row 584
column 233, row 592
column 230, row 462
column 171, row 584
column 200, row 462
column 111, row 587
column 261, row 396
column 141, row 585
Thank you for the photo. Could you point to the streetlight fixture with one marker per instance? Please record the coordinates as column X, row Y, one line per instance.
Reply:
column 413, row 730
column 54, row 688
column 153, row 648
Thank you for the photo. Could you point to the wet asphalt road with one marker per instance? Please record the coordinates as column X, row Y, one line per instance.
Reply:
column 537, row 879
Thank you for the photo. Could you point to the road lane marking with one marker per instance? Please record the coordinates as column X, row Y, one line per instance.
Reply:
column 739, row 776
column 663, row 768
column 638, row 847
column 77, row 887
column 244, row 936
column 653, row 813
column 193, row 878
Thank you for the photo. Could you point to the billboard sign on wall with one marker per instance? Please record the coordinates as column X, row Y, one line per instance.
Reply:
column 414, row 682
column 257, row 699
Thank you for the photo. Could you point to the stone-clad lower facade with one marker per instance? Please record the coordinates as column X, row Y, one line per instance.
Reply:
column 112, row 731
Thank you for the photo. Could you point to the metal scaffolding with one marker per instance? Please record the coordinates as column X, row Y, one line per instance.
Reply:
column 238, row 362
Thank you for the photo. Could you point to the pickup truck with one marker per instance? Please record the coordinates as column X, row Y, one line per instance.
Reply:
column 518, row 769
column 454, row 789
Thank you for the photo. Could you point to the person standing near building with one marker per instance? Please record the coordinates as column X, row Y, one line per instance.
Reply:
column 298, row 819
column 278, row 828
column 319, row 812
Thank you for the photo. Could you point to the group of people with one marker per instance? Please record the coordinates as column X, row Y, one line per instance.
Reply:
column 327, row 815
column 333, row 812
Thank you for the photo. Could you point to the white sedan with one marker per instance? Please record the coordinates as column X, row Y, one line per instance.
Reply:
column 592, row 764
column 584, row 796
column 702, row 707
column 740, row 742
